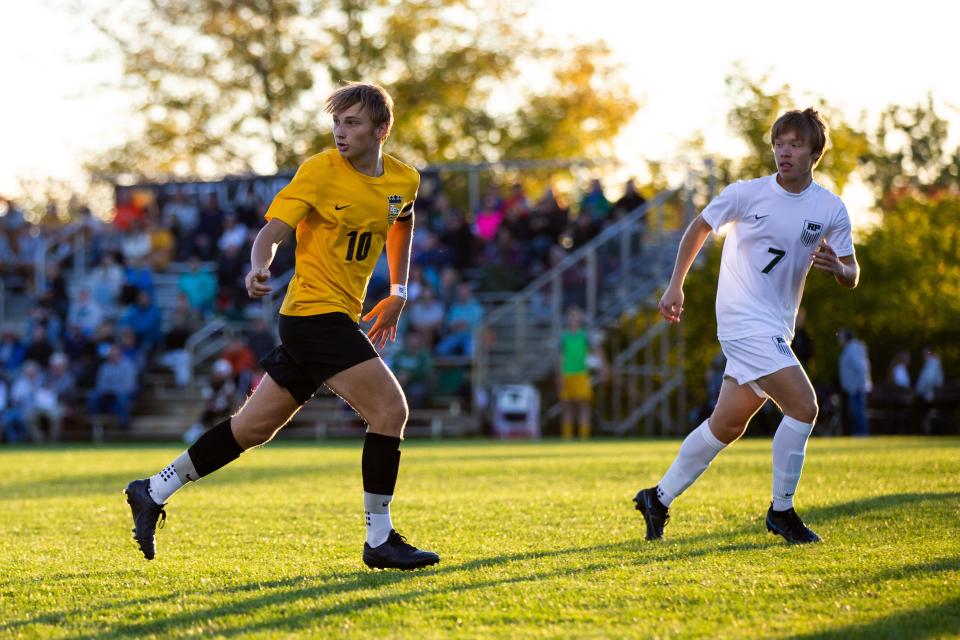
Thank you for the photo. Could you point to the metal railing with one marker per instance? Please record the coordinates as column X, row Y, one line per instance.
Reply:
column 604, row 277
column 66, row 242
column 205, row 344
column 615, row 278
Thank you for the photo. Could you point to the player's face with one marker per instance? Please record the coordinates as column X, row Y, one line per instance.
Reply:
column 794, row 156
column 354, row 133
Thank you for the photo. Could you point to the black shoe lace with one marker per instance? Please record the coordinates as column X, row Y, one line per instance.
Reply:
column 398, row 540
column 163, row 519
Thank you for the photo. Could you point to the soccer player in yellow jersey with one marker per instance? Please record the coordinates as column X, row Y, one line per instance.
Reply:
column 346, row 205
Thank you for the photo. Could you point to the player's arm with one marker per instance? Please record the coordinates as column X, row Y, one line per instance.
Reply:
column 387, row 311
column 844, row 269
column 671, row 304
column 261, row 256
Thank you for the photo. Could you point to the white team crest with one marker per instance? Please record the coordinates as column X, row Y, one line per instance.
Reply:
column 811, row 232
column 394, row 212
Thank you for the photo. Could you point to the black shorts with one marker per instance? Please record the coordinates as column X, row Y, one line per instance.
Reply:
column 314, row 348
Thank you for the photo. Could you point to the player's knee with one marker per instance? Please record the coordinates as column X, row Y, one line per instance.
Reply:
column 726, row 431
column 808, row 412
column 252, row 433
column 390, row 419
column 804, row 411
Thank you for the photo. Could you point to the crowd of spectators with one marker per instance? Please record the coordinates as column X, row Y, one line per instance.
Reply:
column 85, row 345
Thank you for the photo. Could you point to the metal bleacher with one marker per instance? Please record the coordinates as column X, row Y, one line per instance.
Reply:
column 616, row 278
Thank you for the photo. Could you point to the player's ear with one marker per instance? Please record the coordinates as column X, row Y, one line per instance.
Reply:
column 381, row 132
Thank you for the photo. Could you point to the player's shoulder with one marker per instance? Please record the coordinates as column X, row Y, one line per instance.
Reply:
column 827, row 198
column 759, row 185
column 394, row 164
column 320, row 161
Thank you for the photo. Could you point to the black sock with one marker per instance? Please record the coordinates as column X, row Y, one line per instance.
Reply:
column 380, row 463
column 214, row 449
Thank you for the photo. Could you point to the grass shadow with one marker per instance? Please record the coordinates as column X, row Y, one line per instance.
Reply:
column 289, row 590
column 936, row 621
column 71, row 486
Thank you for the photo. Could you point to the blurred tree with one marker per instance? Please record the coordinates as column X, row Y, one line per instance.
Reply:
column 581, row 113
column 908, row 152
column 230, row 86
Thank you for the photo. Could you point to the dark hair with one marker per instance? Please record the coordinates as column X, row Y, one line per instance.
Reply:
column 807, row 124
column 371, row 97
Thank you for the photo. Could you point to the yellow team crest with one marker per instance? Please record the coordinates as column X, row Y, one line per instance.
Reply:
column 395, row 202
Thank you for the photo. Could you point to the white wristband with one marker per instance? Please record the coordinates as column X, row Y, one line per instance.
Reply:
column 399, row 290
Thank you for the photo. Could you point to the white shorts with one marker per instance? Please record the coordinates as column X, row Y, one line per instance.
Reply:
column 755, row 357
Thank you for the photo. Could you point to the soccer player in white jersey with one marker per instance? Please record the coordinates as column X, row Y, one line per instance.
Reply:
column 777, row 227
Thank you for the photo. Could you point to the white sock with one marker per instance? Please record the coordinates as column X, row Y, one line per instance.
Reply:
column 696, row 453
column 789, row 449
column 379, row 525
column 172, row 477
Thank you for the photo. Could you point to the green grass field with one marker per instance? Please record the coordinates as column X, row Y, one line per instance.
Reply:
column 536, row 539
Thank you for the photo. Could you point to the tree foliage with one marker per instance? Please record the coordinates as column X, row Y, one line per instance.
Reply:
column 908, row 152
column 227, row 86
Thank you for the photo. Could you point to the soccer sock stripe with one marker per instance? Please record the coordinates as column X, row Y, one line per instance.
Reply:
column 696, row 453
column 214, row 449
column 789, row 451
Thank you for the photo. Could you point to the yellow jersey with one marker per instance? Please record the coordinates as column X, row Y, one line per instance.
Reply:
column 341, row 217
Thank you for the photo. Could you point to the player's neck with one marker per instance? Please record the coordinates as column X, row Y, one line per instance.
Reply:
column 370, row 164
column 796, row 185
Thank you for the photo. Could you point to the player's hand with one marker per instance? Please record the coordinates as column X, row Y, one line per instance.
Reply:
column 387, row 313
column 825, row 259
column 256, row 282
column 671, row 304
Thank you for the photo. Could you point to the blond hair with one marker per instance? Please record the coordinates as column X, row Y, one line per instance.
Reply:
column 371, row 97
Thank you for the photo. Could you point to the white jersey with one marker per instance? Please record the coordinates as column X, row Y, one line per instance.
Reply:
column 767, row 252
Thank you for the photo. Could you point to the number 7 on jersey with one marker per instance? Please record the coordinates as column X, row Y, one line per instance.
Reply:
column 777, row 257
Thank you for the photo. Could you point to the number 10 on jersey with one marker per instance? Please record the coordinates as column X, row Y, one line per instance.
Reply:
column 359, row 242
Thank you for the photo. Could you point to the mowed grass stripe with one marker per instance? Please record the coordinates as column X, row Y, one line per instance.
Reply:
column 537, row 540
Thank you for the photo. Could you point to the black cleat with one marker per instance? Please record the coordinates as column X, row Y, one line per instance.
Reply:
column 789, row 525
column 654, row 513
column 395, row 553
column 145, row 515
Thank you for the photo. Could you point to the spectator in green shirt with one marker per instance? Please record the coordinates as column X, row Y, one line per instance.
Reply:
column 573, row 374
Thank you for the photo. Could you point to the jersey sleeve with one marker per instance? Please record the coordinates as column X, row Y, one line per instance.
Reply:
column 407, row 211
column 839, row 235
column 295, row 200
column 723, row 209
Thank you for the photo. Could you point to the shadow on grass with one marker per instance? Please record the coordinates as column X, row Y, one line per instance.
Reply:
column 343, row 595
column 939, row 620
column 281, row 593
column 69, row 486
column 855, row 508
